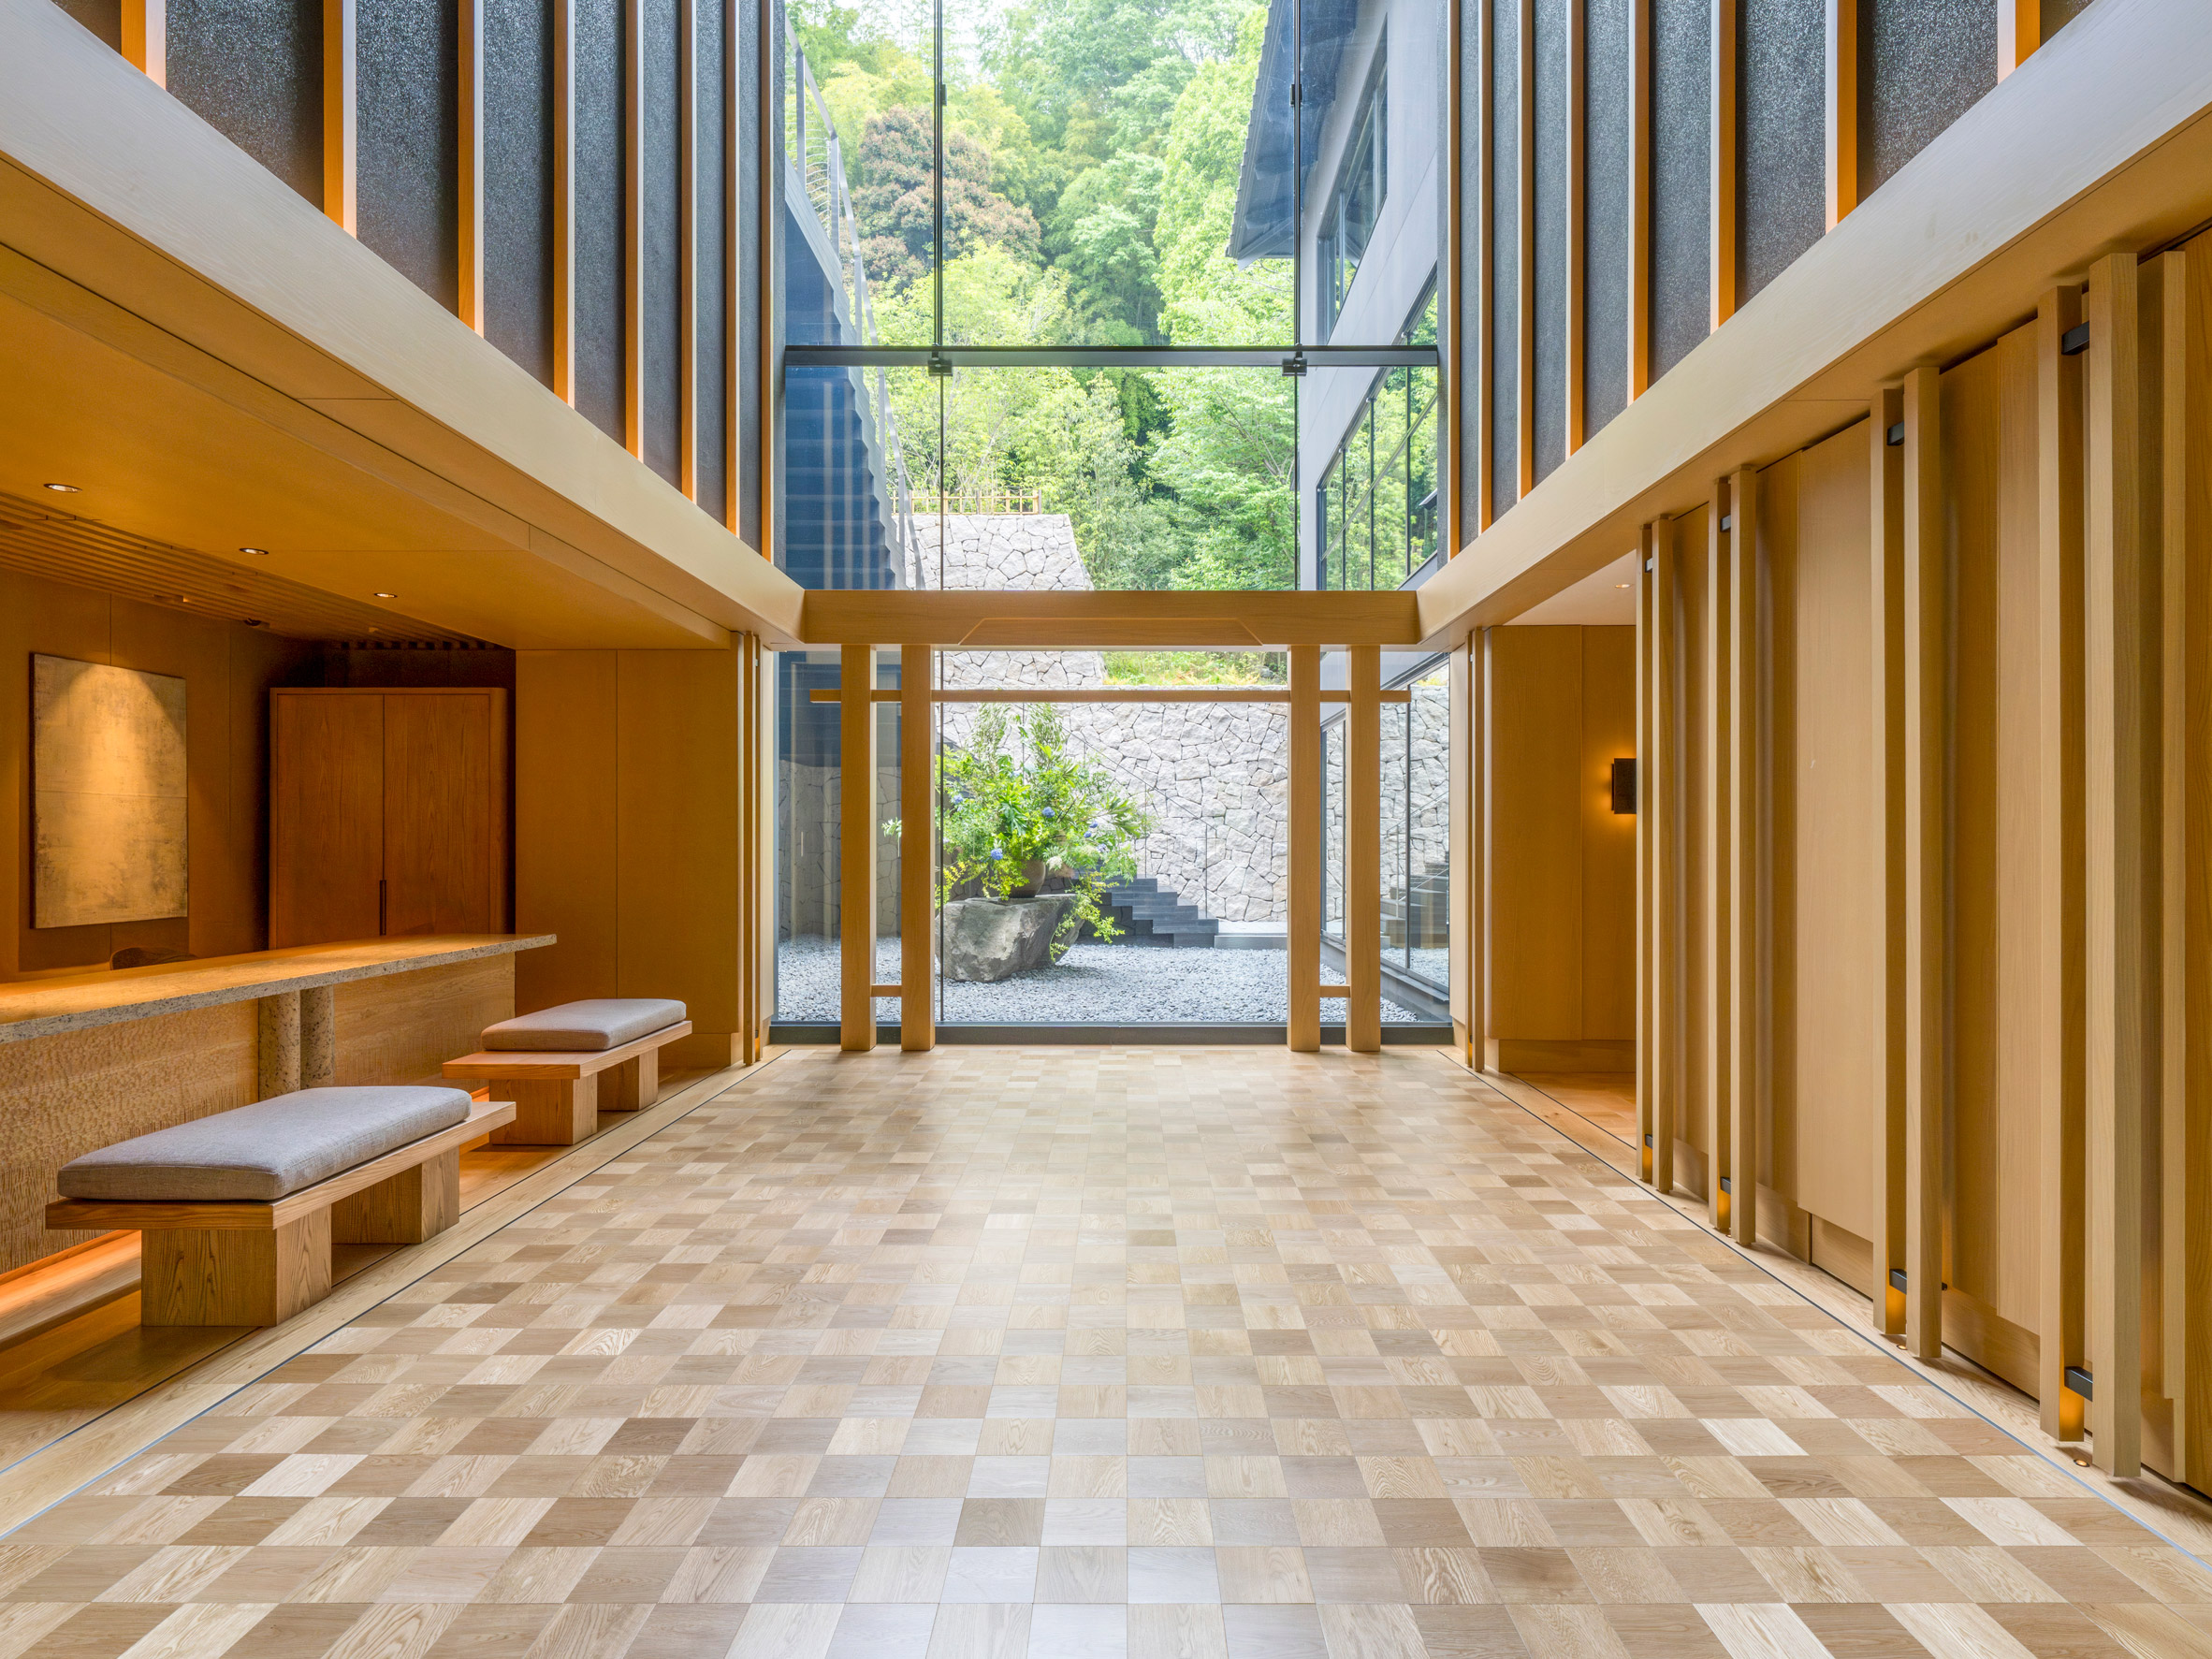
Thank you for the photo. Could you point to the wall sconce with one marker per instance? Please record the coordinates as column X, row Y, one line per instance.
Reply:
column 1624, row 786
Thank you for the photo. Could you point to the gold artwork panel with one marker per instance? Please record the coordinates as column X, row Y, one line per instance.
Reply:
column 108, row 794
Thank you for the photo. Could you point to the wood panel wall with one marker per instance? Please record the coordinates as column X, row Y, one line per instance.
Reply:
column 635, row 825
column 1981, row 617
column 1560, row 707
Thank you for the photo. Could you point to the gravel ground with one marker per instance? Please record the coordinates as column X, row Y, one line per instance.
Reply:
column 1093, row 985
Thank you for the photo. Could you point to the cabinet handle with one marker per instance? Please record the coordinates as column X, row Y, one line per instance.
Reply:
column 379, row 922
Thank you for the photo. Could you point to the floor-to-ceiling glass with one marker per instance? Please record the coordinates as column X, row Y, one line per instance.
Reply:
column 1109, row 295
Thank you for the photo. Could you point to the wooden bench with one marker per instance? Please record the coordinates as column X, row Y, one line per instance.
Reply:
column 559, row 1090
column 236, row 1261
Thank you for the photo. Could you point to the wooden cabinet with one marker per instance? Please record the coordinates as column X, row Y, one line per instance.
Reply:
column 387, row 813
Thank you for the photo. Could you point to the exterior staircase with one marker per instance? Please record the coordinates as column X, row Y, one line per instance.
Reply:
column 1418, row 917
column 1148, row 916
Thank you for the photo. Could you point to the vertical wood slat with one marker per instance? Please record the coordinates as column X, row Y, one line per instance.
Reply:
column 1840, row 98
column 633, row 114
column 1577, row 145
column 2182, row 734
column 1926, row 654
column 468, row 289
column 1303, row 962
column 2186, row 544
column 1485, row 342
column 1721, row 262
column 1451, row 312
column 340, row 139
column 1362, row 860
column 1887, row 521
column 2019, row 32
column 1524, row 279
column 750, row 993
column 1715, row 847
column 1656, row 790
column 565, row 201
column 733, row 239
column 146, row 38
column 1647, row 978
column 687, row 248
column 2119, row 721
column 856, row 850
column 1747, row 848
column 1639, row 199
column 917, row 849
column 2059, row 858
column 765, row 866
column 768, row 142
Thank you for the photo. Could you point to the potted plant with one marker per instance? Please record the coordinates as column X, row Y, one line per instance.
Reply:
column 1021, row 810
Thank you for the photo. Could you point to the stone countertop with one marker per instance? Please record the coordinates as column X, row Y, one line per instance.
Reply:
column 78, row 1002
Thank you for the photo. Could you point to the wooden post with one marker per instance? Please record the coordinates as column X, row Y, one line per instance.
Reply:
column 1842, row 100
column 1659, row 815
column 1577, row 168
column 1748, row 828
column 340, row 146
column 2019, row 32
column 2058, row 877
column 634, row 411
column 1304, row 964
column 1362, row 862
column 1639, row 199
column 687, row 250
column 1722, row 255
column 1524, row 275
column 1888, row 826
column 1482, row 377
column 468, row 289
column 856, row 854
column 917, row 849
column 564, row 206
column 1927, row 662
column 1720, row 1115
column 2120, row 711
column 1647, row 978
column 146, row 38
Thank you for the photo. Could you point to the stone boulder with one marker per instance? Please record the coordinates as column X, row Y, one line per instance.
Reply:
column 986, row 941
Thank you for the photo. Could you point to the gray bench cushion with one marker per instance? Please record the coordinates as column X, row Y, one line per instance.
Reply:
column 605, row 1022
column 265, row 1150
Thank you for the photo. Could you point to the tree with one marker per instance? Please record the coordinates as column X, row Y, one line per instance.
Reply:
column 1100, row 234
column 892, row 201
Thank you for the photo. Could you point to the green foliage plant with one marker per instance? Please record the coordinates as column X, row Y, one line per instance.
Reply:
column 1016, row 797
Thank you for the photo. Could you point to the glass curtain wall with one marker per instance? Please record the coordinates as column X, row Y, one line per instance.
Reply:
column 1096, row 294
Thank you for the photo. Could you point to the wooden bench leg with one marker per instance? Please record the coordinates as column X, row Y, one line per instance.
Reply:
column 633, row 1085
column 557, row 1114
column 406, row 1209
column 220, row 1276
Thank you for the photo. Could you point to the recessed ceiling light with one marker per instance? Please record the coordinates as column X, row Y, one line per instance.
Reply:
column 65, row 488
column 257, row 552
column 255, row 622
column 383, row 595
column 1623, row 584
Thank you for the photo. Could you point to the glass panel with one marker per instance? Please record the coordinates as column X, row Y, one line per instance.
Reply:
column 1370, row 437
column 1100, row 478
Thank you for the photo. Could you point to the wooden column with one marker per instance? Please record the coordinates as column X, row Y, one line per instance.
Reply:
column 340, row 139
column 1659, row 818
column 1524, row 279
column 1842, row 100
column 2186, row 535
column 1303, row 966
column 1482, row 363
column 1639, row 201
column 1927, row 665
column 1721, row 249
column 469, row 293
column 1470, row 887
column 2019, row 32
column 917, row 849
column 2119, row 836
column 1886, row 824
column 856, row 852
column 1717, row 921
column 1577, row 168
column 634, row 228
column 1748, row 851
column 1362, row 860
column 2059, row 876
column 146, row 38
column 1647, row 979
column 687, row 246
column 565, row 205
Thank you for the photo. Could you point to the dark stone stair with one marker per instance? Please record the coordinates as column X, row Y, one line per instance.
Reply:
column 1148, row 916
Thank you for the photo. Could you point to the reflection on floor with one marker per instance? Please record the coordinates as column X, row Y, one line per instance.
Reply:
column 1607, row 1098
column 1086, row 1354
column 89, row 1353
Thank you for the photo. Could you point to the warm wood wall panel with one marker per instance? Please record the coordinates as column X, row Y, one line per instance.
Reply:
column 1562, row 865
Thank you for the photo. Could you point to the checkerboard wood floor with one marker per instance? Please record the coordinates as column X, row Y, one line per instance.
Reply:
column 1080, row 1353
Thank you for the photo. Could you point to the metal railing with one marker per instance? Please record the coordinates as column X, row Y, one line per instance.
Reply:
column 815, row 164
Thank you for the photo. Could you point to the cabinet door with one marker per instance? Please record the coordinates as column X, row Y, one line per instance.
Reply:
column 325, row 818
column 438, row 813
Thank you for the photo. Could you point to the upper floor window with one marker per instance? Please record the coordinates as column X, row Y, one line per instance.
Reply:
column 1355, row 200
